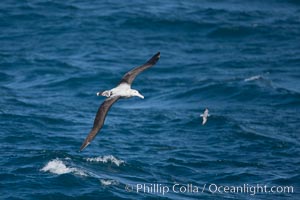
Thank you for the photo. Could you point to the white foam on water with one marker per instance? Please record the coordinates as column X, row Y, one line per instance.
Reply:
column 253, row 78
column 107, row 182
column 106, row 159
column 57, row 166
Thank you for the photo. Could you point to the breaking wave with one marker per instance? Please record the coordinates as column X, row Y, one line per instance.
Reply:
column 106, row 159
column 253, row 78
column 57, row 166
column 107, row 182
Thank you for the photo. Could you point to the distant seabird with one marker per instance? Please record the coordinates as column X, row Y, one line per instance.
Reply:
column 123, row 90
column 204, row 116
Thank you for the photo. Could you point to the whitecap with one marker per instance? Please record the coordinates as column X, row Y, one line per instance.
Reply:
column 107, row 182
column 106, row 159
column 253, row 78
column 57, row 166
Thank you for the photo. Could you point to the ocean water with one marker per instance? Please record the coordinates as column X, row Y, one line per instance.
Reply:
column 239, row 59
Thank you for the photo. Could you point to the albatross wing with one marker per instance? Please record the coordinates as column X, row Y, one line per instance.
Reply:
column 204, row 120
column 99, row 120
column 130, row 76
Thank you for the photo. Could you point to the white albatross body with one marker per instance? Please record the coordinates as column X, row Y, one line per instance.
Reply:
column 123, row 90
column 204, row 116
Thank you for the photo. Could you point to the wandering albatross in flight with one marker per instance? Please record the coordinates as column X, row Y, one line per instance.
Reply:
column 123, row 90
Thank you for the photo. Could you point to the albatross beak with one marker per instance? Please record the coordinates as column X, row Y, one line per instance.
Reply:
column 141, row 96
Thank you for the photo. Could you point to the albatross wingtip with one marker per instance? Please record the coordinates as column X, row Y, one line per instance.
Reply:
column 84, row 145
column 157, row 55
column 154, row 59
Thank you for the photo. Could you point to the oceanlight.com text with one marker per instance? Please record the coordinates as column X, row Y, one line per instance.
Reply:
column 250, row 189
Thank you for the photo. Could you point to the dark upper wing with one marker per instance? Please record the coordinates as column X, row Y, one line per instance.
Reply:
column 99, row 120
column 130, row 76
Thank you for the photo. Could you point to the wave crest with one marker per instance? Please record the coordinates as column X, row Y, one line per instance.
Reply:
column 108, row 182
column 253, row 78
column 106, row 159
column 57, row 166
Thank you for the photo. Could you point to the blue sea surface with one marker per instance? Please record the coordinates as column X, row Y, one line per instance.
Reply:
column 239, row 59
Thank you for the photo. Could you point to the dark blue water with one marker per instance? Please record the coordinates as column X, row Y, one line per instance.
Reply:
column 239, row 59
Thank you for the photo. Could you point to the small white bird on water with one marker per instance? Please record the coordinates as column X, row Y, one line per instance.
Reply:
column 123, row 90
column 204, row 116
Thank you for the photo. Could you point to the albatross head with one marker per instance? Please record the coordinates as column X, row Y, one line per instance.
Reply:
column 136, row 93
